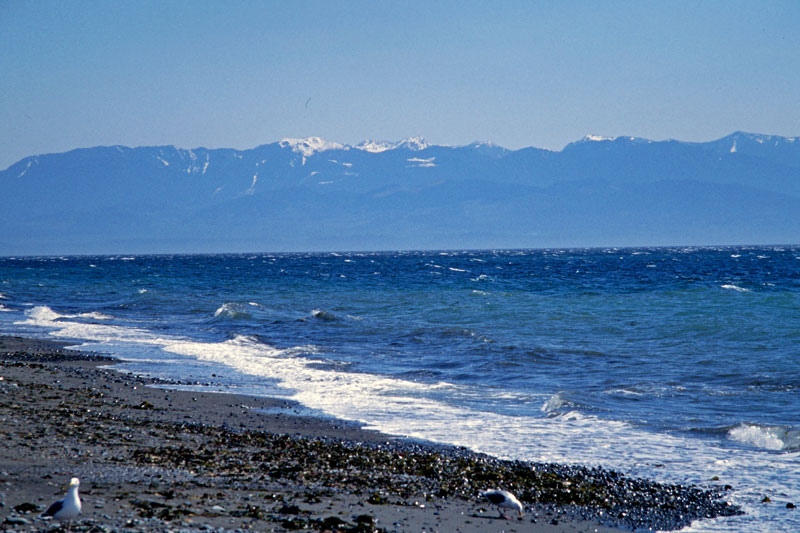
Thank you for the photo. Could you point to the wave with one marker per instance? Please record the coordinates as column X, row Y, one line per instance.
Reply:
column 66, row 327
column 426, row 411
column 732, row 287
column 40, row 315
column 232, row 311
column 94, row 315
column 776, row 438
column 43, row 314
column 323, row 315
column 625, row 391
column 558, row 403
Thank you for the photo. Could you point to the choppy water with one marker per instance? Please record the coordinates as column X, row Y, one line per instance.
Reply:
column 679, row 364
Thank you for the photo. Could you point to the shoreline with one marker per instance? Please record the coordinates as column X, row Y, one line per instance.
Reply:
column 151, row 458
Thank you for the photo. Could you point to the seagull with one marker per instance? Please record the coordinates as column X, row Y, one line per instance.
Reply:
column 68, row 507
column 503, row 500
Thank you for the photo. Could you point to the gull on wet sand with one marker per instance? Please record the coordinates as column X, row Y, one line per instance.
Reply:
column 68, row 507
column 503, row 500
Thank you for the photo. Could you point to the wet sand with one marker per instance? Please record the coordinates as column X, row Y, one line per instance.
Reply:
column 152, row 458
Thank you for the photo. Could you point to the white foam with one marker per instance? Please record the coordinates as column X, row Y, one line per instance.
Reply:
column 765, row 437
column 42, row 315
column 731, row 287
column 626, row 392
column 64, row 326
column 413, row 409
column 561, row 434
column 95, row 316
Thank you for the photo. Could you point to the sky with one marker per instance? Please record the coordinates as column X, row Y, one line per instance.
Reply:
column 239, row 74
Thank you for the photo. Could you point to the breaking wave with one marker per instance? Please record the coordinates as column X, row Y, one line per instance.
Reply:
column 776, row 438
column 231, row 311
column 558, row 403
column 323, row 315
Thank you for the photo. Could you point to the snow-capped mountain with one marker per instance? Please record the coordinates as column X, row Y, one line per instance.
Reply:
column 317, row 194
column 310, row 145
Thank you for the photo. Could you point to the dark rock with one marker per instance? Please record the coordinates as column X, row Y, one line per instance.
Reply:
column 26, row 507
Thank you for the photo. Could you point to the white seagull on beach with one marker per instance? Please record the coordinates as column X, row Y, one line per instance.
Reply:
column 68, row 507
column 503, row 500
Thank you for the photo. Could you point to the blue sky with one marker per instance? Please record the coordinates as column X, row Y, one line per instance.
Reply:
column 239, row 74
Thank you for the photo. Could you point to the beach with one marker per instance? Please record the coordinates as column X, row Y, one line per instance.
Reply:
column 153, row 458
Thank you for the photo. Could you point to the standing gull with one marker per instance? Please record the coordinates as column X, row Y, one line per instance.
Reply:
column 69, row 506
column 503, row 500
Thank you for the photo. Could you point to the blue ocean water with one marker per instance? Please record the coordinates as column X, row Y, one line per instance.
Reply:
column 679, row 364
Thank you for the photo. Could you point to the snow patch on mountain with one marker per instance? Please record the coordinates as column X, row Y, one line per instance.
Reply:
column 27, row 167
column 311, row 145
column 596, row 138
column 421, row 163
column 252, row 189
column 415, row 144
column 412, row 143
column 375, row 147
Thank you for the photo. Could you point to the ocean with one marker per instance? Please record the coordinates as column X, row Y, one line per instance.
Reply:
column 676, row 364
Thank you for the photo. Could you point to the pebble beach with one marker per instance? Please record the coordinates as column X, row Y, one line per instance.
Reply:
column 154, row 458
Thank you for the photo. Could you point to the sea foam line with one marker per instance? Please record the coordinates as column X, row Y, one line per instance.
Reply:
column 419, row 410
column 385, row 404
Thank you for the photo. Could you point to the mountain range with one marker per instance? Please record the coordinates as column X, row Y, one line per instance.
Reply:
column 311, row 194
